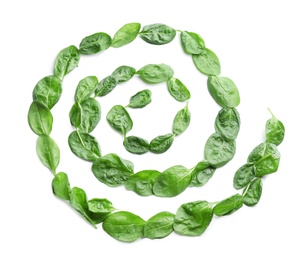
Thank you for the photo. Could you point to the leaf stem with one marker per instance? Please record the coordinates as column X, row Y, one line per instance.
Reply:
column 77, row 130
column 271, row 112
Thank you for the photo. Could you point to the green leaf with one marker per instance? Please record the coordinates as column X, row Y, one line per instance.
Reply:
column 140, row 99
column 125, row 34
column 85, row 88
column 66, row 61
column 48, row 152
column 123, row 73
column 84, row 145
column 228, row 206
column 178, row 90
column 112, row 170
column 48, row 91
column 275, row 131
column 243, row 176
column 159, row 226
column 207, row 62
column 142, row 182
column 136, row 145
column 157, row 34
column 193, row 218
column 95, row 43
column 181, row 121
column 219, row 152
column 119, row 119
column 155, row 73
column 105, row 86
column 227, row 123
column 252, row 193
column 124, row 226
column 192, row 43
column 201, row 174
column 99, row 209
column 61, row 186
column 172, row 181
column 161, row 144
column 223, row 91
column 40, row 118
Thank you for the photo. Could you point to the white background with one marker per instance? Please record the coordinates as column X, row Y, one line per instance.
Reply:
column 261, row 46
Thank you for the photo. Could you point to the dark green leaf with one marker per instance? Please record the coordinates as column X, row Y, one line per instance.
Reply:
column 193, row 218
column 126, row 34
column 157, row 34
column 123, row 73
column 105, row 86
column 275, row 131
column 161, row 144
column 252, row 193
column 178, row 90
column 124, row 226
column 192, row 43
column 227, row 123
column 119, row 119
column 155, row 73
column 243, row 176
column 207, row 62
column 61, row 186
column 136, row 145
column 85, row 88
column 140, row 99
column 159, row 226
column 201, row 174
column 75, row 115
column 95, row 43
column 228, row 206
column 99, row 209
column 181, row 121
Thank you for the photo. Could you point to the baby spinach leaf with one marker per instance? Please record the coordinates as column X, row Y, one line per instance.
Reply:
column 157, row 34
column 193, row 218
column 275, row 131
column 119, row 119
column 85, row 88
column 219, row 152
column 99, row 209
column 48, row 91
column 124, row 226
column 40, row 118
column 243, row 176
column 192, row 43
column 266, row 159
column 112, row 170
column 207, row 62
column 223, row 91
column 105, row 86
column 84, row 145
column 125, row 34
column 159, row 226
column 136, row 145
column 66, row 61
column 227, row 123
column 142, row 182
column 155, row 73
column 140, row 99
column 181, row 121
column 123, row 73
column 172, row 181
column 75, row 115
column 201, row 174
column 252, row 193
column 61, row 186
column 95, row 43
column 228, row 206
column 178, row 90
column 161, row 144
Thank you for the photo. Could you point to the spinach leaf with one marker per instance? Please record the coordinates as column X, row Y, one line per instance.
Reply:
column 66, row 61
column 172, row 181
column 181, row 121
column 252, row 193
column 228, row 206
column 155, row 73
column 84, row 145
column 159, row 226
column 112, row 170
column 161, row 144
column 125, row 34
column 227, row 123
column 178, row 90
column 123, row 73
column 75, row 115
column 140, row 99
column 99, row 209
column 192, row 43
column 201, row 174
column 61, row 186
column 266, row 159
column 48, row 91
column 124, row 226
column 193, row 218
column 119, row 119
column 40, row 118
column 157, row 34
column 48, row 152
column 243, row 176
column 207, row 62
column 275, row 130
column 142, row 182
column 219, row 152
column 95, row 43
column 105, row 86
column 223, row 91
column 85, row 88
column 136, row 145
